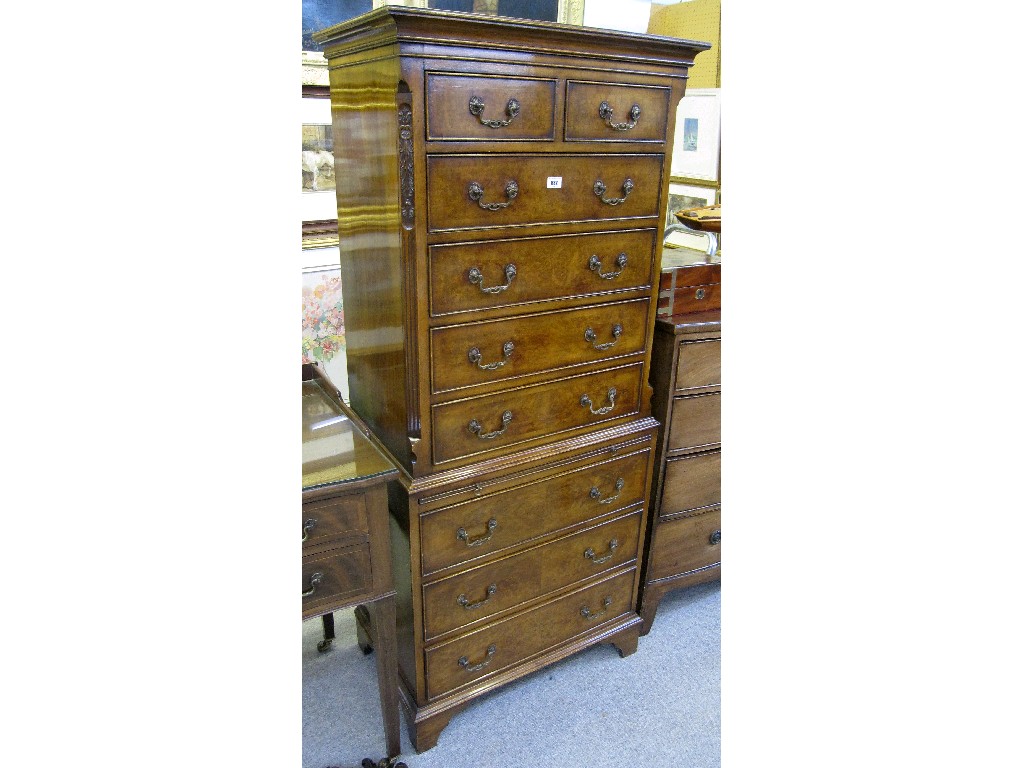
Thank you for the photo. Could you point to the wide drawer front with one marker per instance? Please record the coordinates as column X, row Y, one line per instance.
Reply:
column 480, row 191
column 692, row 481
column 480, row 527
column 496, row 350
column 685, row 544
column 696, row 421
column 344, row 516
column 491, row 108
column 466, row 277
column 613, row 112
column 333, row 577
column 468, row 597
column 699, row 364
column 502, row 420
column 500, row 645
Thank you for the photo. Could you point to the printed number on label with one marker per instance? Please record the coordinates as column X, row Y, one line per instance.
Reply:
column 554, row 182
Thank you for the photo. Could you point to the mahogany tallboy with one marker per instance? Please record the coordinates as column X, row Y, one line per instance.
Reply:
column 501, row 191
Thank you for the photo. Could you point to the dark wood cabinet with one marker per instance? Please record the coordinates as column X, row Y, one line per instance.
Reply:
column 684, row 539
column 501, row 200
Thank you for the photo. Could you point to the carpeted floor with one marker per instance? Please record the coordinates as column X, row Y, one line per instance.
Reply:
column 659, row 706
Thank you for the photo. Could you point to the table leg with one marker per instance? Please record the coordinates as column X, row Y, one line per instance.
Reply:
column 382, row 613
column 323, row 645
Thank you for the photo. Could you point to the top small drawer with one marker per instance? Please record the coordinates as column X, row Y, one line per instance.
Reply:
column 480, row 107
column 612, row 112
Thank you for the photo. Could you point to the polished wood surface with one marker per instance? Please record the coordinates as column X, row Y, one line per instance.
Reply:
column 346, row 545
column 684, row 539
column 503, row 328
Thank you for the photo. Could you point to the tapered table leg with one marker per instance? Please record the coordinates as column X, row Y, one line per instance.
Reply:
column 382, row 615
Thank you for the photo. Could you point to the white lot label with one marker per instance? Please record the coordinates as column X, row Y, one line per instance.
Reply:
column 554, row 182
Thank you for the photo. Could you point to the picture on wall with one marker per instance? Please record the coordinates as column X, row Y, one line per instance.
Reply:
column 317, row 158
column 698, row 135
column 323, row 318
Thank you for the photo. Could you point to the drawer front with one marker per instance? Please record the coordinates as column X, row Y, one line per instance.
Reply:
column 685, row 544
column 692, row 481
column 344, row 516
column 500, row 421
column 516, row 186
column 699, row 364
column 500, row 645
column 468, row 597
column 613, row 112
column 344, row 575
column 469, row 277
column 497, row 350
column 474, row 529
column 696, row 421
column 475, row 107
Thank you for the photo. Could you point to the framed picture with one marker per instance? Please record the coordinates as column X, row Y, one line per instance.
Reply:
column 319, row 206
column 695, row 152
column 681, row 197
column 323, row 315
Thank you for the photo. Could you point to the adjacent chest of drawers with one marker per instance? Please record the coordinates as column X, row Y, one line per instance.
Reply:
column 684, row 539
column 501, row 196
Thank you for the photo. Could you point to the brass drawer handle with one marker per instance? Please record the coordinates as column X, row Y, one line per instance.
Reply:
column 476, row 277
column 475, row 357
column 586, row 402
column 595, row 492
column 612, row 546
column 586, row 613
column 604, row 111
column 590, row 336
column 595, row 266
column 461, row 534
column 464, row 660
column 464, row 601
column 308, row 526
column 600, row 189
column 314, row 582
column 476, row 108
column 475, row 427
column 476, row 193
column 716, row 537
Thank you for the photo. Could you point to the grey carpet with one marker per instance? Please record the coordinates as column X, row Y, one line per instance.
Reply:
column 659, row 706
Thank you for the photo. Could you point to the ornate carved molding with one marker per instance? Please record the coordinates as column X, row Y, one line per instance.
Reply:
column 405, row 166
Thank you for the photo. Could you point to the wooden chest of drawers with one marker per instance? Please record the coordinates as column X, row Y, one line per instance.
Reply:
column 684, row 538
column 501, row 200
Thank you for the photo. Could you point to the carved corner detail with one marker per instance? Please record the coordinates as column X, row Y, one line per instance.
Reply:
column 405, row 166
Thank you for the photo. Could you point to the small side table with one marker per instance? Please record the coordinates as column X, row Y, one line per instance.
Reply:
column 346, row 549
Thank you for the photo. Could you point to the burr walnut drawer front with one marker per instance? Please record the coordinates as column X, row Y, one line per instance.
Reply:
column 615, row 112
column 696, row 421
column 686, row 544
column 467, row 277
column 497, row 350
column 340, row 517
column 483, row 191
column 691, row 481
column 699, row 364
column 475, row 594
column 492, row 108
column 498, row 646
column 334, row 576
column 503, row 420
column 508, row 518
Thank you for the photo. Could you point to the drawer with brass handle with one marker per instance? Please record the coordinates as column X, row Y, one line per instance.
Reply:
column 615, row 112
column 341, row 518
column 330, row 576
column 685, row 544
column 479, row 107
column 501, row 644
column 475, row 594
column 474, row 276
column 497, row 350
column 479, row 528
column 477, row 192
column 501, row 421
